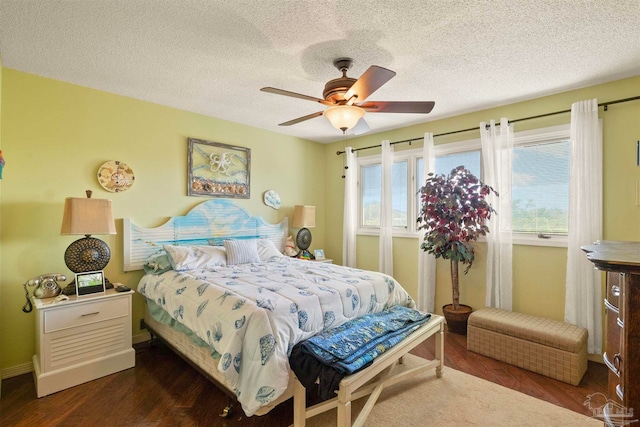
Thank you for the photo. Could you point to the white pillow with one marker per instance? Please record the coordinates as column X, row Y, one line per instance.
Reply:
column 267, row 250
column 195, row 257
column 241, row 251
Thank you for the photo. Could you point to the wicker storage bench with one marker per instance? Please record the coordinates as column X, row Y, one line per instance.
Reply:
column 545, row 346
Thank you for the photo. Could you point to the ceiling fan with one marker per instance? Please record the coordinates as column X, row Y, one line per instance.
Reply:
column 346, row 97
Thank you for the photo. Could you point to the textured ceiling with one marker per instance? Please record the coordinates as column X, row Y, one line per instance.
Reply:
column 212, row 57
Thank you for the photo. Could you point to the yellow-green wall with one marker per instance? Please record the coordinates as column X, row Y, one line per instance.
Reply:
column 56, row 135
column 539, row 272
column 1, row 341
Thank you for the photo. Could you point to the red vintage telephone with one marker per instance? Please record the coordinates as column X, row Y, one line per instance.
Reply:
column 46, row 287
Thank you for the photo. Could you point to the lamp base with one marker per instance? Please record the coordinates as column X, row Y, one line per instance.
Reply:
column 305, row 254
column 87, row 254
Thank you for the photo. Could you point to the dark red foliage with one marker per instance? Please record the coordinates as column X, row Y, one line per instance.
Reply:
column 453, row 214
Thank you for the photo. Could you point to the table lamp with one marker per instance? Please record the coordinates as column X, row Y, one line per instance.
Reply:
column 305, row 217
column 87, row 216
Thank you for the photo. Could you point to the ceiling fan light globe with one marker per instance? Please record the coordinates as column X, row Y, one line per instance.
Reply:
column 344, row 117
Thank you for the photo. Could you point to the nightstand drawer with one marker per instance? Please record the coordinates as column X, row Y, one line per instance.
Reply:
column 85, row 313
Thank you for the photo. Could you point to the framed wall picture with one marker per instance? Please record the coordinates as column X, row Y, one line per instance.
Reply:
column 89, row 282
column 218, row 170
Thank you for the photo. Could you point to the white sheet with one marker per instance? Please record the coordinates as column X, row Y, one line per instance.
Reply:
column 253, row 314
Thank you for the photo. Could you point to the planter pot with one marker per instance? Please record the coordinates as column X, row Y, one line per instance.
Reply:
column 457, row 320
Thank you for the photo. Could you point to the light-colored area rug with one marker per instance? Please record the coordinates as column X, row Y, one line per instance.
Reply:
column 458, row 399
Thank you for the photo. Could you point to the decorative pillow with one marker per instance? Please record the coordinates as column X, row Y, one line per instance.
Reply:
column 267, row 250
column 157, row 263
column 241, row 251
column 195, row 257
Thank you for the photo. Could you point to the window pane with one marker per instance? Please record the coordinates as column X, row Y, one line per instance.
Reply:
column 371, row 191
column 469, row 159
column 444, row 164
column 399, row 188
column 540, row 190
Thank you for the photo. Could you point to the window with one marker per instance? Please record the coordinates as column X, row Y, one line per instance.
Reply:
column 540, row 188
column 446, row 161
column 371, row 193
column 540, row 191
column 370, row 182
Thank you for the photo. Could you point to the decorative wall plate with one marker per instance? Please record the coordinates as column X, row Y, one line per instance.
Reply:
column 115, row 176
column 272, row 199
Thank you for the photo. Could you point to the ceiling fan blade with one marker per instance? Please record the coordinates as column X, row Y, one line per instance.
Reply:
column 361, row 127
column 301, row 119
column 294, row 95
column 417, row 107
column 369, row 82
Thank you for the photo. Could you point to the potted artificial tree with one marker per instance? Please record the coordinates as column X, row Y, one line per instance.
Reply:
column 453, row 214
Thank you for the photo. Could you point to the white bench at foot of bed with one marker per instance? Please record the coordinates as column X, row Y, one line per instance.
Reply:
column 372, row 380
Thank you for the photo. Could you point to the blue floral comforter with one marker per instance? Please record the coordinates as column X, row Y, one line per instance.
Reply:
column 253, row 314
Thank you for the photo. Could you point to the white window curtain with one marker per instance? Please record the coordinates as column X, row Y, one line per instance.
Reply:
column 426, row 261
column 497, row 156
column 386, row 212
column 350, row 221
column 583, row 303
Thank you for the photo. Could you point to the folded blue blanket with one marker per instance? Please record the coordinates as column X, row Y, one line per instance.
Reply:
column 356, row 343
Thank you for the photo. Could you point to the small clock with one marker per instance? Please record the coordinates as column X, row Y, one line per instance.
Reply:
column 115, row 176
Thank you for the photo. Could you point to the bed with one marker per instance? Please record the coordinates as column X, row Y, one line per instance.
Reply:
column 220, row 293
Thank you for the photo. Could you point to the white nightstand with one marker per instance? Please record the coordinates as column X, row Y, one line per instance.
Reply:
column 325, row 260
column 81, row 339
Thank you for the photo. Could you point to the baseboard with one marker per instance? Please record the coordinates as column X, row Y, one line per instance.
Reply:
column 14, row 371
column 595, row 358
column 143, row 336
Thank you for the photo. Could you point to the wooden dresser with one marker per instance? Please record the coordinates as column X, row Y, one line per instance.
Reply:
column 621, row 261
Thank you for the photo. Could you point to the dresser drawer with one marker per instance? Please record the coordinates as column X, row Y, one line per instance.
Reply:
column 613, row 289
column 85, row 313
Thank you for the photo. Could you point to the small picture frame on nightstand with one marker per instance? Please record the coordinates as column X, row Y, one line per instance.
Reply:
column 318, row 253
column 89, row 282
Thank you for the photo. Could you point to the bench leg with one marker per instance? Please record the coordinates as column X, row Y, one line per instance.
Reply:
column 344, row 414
column 440, row 350
column 299, row 404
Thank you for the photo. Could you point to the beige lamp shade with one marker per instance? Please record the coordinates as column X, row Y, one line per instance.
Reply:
column 304, row 216
column 87, row 216
column 344, row 117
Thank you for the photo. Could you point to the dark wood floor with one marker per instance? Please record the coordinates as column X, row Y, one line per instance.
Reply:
column 162, row 390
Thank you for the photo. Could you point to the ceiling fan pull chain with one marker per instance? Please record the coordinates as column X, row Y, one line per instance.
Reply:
column 345, row 149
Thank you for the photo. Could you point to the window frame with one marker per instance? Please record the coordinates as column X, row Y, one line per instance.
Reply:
column 529, row 138
column 404, row 155
column 521, row 139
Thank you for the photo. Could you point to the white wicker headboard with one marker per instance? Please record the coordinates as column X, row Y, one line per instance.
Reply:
column 209, row 223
